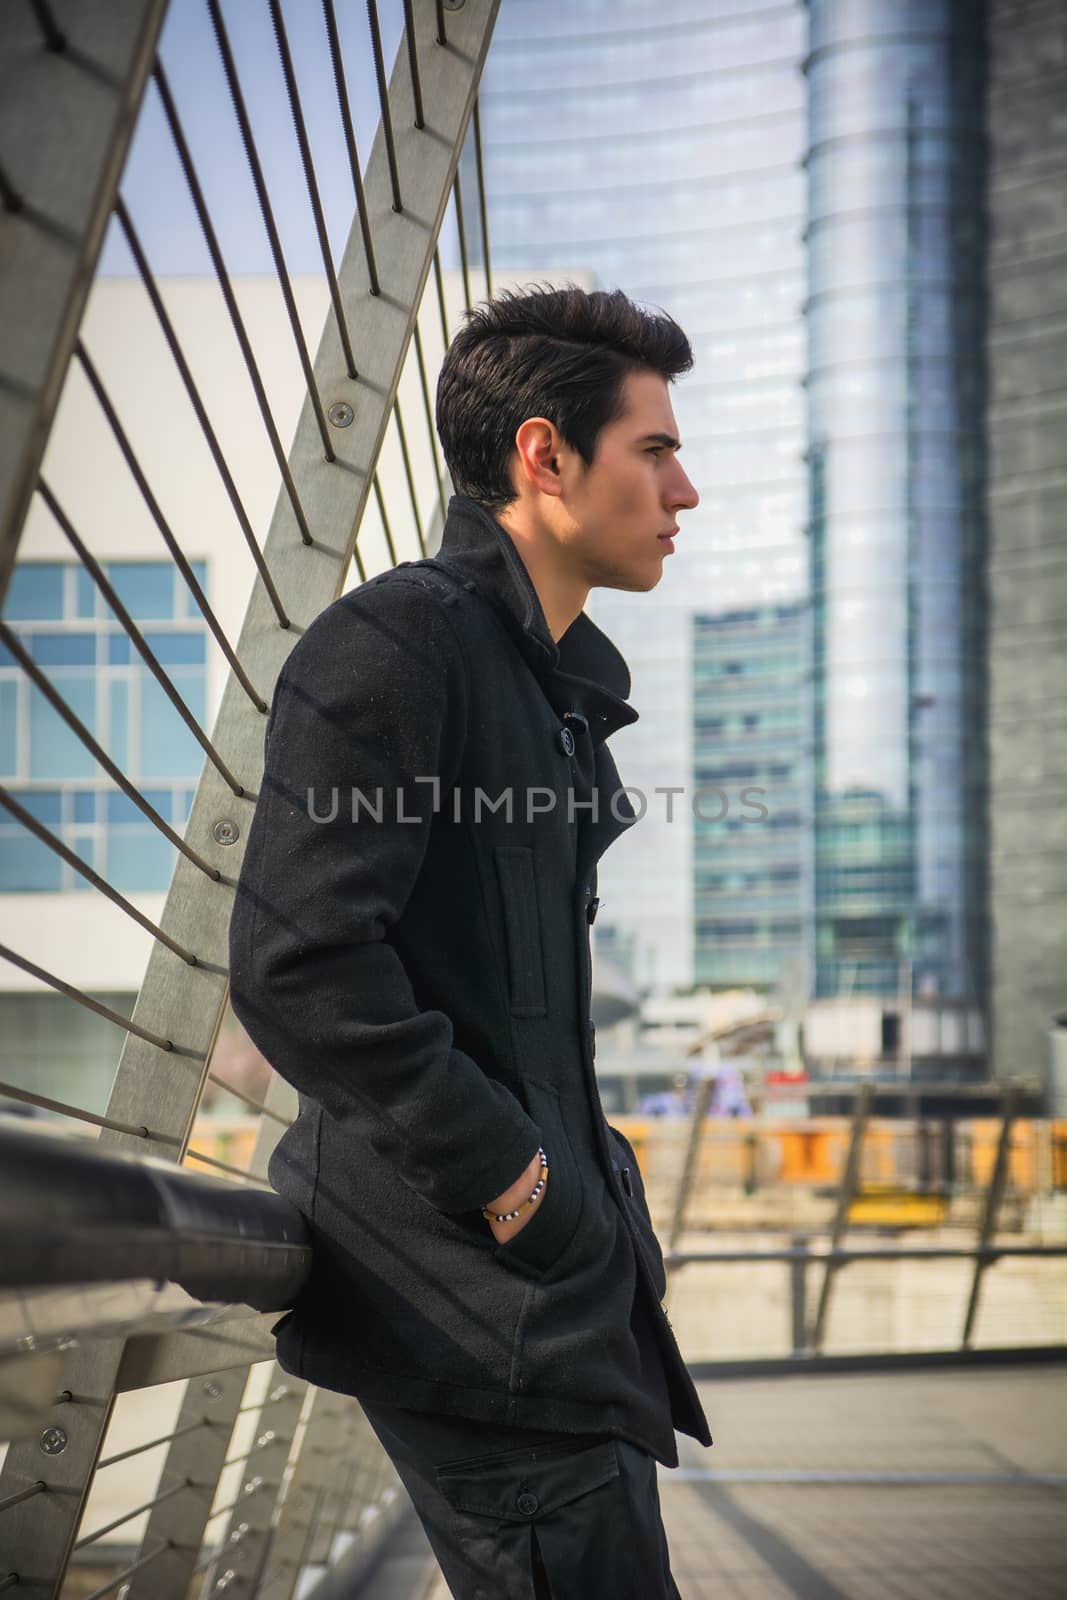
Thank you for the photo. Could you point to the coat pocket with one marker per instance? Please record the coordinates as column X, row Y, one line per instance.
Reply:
column 539, row 1245
column 522, row 930
column 625, row 1164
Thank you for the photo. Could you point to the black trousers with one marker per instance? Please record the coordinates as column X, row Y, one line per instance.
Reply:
column 517, row 1514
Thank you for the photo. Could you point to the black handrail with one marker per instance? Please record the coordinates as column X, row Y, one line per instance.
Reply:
column 71, row 1213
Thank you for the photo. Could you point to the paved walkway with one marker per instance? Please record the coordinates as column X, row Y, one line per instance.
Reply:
column 917, row 1486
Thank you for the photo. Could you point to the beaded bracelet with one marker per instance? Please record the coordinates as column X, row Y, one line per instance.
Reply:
column 506, row 1216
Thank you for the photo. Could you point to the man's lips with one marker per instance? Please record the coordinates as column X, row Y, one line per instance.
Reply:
column 668, row 537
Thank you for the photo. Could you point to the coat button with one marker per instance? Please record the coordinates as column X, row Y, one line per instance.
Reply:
column 627, row 1182
column 527, row 1503
column 592, row 908
column 566, row 741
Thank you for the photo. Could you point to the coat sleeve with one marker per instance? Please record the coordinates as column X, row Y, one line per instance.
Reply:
column 373, row 696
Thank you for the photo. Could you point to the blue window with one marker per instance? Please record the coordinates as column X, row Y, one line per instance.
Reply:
column 84, row 594
column 139, row 859
column 118, row 743
column 8, row 728
column 63, row 649
column 84, row 845
column 35, row 593
column 91, row 663
column 55, row 750
column 168, row 749
column 177, row 649
column 146, row 588
column 120, row 808
column 26, row 865
column 44, row 804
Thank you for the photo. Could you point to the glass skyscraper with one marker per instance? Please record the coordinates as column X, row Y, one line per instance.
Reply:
column 809, row 189
column 662, row 150
column 895, row 389
column 751, row 774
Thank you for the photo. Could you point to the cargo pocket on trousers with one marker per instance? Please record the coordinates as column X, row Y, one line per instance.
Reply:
column 522, row 1485
column 530, row 1510
column 522, row 930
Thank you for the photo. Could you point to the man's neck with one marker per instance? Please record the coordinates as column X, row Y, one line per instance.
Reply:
column 561, row 591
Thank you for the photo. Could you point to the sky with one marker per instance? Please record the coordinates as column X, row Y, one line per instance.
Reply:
column 153, row 185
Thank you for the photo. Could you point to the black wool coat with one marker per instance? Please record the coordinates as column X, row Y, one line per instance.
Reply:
column 410, row 949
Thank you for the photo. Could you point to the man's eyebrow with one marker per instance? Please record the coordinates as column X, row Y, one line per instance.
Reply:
column 667, row 439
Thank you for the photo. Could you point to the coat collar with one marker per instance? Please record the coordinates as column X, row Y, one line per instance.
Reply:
column 584, row 672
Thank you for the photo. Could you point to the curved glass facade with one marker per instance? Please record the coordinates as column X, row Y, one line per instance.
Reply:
column 661, row 150
column 895, row 394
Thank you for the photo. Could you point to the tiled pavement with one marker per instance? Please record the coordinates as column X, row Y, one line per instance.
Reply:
column 944, row 1485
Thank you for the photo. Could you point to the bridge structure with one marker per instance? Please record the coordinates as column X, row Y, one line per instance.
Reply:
column 153, row 1446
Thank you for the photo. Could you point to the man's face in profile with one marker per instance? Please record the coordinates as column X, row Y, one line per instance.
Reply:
column 622, row 509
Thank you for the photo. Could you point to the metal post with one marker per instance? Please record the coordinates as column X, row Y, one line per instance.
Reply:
column 689, row 1166
column 246, row 1542
column 315, row 1466
column 199, row 1456
column 751, row 1163
column 39, row 1532
column 845, row 1196
column 798, row 1296
column 987, row 1226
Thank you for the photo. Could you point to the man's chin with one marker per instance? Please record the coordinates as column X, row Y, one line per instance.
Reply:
column 630, row 582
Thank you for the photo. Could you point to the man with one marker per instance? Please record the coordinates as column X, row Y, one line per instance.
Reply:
column 410, row 948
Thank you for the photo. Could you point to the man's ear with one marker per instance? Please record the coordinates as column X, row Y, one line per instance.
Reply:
column 538, row 446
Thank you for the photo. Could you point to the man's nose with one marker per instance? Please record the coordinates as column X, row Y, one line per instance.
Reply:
column 684, row 497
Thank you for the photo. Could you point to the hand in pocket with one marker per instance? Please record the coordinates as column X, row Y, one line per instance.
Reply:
column 513, row 1198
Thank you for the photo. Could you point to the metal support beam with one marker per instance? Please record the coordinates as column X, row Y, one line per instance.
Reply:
column 320, row 1463
column 987, row 1227
column 66, row 118
column 692, row 1156
column 38, row 1532
column 197, row 1456
column 845, row 1195
column 247, row 1540
column 186, row 1003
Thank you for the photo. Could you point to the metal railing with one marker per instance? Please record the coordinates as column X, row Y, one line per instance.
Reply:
column 360, row 486
column 811, row 1256
column 256, row 1479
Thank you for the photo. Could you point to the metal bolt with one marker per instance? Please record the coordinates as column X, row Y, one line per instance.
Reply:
column 26, row 1342
column 279, row 1393
column 226, row 832
column 265, row 1439
column 53, row 1441
column 341, row 414
column 213, row 1390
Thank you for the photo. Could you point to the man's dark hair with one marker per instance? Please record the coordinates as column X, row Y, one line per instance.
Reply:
column 562, row 354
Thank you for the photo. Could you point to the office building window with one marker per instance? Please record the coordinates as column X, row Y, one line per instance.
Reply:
column 63, row 622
